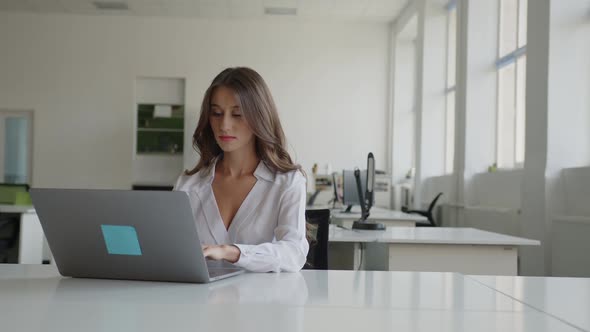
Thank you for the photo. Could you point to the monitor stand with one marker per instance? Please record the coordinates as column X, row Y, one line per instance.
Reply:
column 348, row 209
column 364, row 222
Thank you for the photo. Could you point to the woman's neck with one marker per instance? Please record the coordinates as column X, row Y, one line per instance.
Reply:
column 236, row 164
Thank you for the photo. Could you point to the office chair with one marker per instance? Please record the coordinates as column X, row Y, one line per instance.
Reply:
column 425, row 213
column 313, row 197
column 318, row 223
column 9, row 230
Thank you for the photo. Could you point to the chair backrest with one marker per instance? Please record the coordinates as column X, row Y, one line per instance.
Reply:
column 433, row 203
column 429, row 212
column 318, row 222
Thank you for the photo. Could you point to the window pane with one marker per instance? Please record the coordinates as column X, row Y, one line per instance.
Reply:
column 522, row 22
column 16, row 150
column 506, row 115
column 508, row 28
column 450, row 133
column 451, row 47
column 520, row 108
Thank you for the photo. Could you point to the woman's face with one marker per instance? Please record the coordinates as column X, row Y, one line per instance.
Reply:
column 229, row 125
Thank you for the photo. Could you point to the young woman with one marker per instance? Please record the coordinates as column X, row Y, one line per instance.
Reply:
column 247, row 195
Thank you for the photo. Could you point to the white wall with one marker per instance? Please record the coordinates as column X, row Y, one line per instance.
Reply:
column 500, row 189
column 78, row 72
column 570, row 226
column 576, row 191
column 570, row 247
column 159, row 170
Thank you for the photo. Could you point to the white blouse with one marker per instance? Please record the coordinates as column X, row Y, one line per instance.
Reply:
column 269, row 226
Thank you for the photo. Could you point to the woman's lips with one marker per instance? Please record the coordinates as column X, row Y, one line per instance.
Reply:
column 227, row 138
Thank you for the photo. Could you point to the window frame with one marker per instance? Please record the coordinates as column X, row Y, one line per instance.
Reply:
column 449, row 152
column 503, row 61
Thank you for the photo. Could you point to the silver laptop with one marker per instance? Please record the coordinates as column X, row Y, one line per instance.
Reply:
column 121, row 234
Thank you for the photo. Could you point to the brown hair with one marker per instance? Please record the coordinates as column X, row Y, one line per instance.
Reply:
column 260, row 113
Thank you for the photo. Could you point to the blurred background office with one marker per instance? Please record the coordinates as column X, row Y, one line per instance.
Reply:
column 486, row 101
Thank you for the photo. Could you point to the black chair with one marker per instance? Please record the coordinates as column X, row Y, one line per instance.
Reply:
column 10, row 222
column 427, row 213
column 9, row 230
column 318, row 223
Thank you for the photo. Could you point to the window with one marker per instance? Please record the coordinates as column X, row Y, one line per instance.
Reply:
column 16, row 147
column 511, row 71
column 450, row 87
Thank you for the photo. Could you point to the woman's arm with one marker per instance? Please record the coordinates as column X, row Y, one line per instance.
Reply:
column 227, row 252
column 288, row 250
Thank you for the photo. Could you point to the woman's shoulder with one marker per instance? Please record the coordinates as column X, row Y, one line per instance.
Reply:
column 186, row 182
column 290, row 179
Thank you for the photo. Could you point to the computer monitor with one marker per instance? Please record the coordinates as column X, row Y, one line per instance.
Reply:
column 349, row 191
column 335, row 199
column 366, row 196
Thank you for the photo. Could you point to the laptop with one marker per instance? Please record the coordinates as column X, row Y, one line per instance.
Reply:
column 123, row 234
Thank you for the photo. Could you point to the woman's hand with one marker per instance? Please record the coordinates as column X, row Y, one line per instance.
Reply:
column 226, row 252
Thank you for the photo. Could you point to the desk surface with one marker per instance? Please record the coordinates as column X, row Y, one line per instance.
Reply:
column 35, row 298
column 379, row 214
column 16, row 208
column 567, row 299
column 428, row 235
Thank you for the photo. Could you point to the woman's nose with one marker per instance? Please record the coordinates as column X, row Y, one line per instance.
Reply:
column 226, row 122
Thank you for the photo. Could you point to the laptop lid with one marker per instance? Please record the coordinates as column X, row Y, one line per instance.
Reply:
column 120, row 234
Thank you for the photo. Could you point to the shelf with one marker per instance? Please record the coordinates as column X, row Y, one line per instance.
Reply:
column 159, row 134
column 161, row 130
column 158, row 153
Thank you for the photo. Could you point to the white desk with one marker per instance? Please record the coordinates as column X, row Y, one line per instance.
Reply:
column 390, row 218
column 31, row 236
column 35, row 299
column 567, row 299
column 464, row 250
column 16, row 208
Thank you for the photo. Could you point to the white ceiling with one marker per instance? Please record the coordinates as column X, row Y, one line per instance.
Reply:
column 357, row 10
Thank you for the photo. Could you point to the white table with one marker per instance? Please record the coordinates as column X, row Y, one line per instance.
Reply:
column 567, row 299
column 31, row 236
column 6, row 208
column 464, row 250
column 35, row 298
column 390, row 218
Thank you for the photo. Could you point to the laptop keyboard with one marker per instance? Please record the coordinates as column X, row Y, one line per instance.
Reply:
column 219, row 268
column 217, row 273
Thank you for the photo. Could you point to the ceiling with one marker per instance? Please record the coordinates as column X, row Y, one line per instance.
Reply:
column 355, row 10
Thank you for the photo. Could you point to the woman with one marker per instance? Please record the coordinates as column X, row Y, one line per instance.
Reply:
column 248, row 197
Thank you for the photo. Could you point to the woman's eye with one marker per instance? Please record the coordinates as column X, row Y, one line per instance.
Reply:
column 216, row 113
column 237, row 115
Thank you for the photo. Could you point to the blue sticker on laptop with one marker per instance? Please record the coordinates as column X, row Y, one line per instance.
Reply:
column 121, row 240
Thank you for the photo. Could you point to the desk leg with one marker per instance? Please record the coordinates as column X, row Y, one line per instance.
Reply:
column 344, row 256
column 30, row 249
column 376, row 256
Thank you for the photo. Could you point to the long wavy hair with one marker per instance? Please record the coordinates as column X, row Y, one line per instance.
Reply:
column 260, row 112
